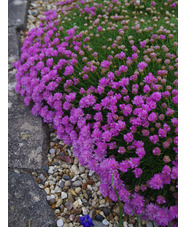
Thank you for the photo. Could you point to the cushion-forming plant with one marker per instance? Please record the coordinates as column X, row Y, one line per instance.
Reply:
column 104, row 73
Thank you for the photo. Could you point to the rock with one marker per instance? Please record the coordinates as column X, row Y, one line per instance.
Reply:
column 60, row 223
column 79, row 201
column 76, row 204
column 59, row 202
column 81, row 169
column 91, row 173
column 75, row 178
column 64, row 195
column 28, row 137
column 98, row 224
column 13, row 46
column 85, row 210
column 84, row 186
column 99, row 218
column 72, row 192
column 47, row 190
column 27, row 203
column 149, row 224
column 130, row 225
column 105, row 222
column 57, row 189
column 125, row 224
column 62, row 183
column 77, row 190
column 84, row 176
column 17, row 13
column 68, row 183
column 69, row 205
column 77, row 183
column 75, row 169
column 106, row 211
column 116, row 209
column 76, row 161
column 52, row 151
column 67, row 177
column 42, row 177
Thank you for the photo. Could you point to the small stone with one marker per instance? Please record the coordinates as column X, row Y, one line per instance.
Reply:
column 125, row 224
column 116, row 210
column 76, row 161
column 62, row 183
column 57, row 189
column 102, row 201
column 40, row 186
column 99, row 218
column 77, row 183
column 84, row 176
column 64, row 195
column 84, row 186
column 149, row 224
column 67, row 177
column 105, row 222
column 72, row 217
column 85, row 210
column 75, row 178
column 98, row 224
column 77, row 190
column 72, row 192
column 69, row 205
column 60, row 223
column 38, row 180
column 52, row 144
column 106, row 211
column 59, row 202
column 42, row 177
column 80, row 202
column 81, row 169
column 75, row 169
column 52, row 151
column 68, row 183
column 130, row 225
column 90, row 182
column 76, row 204
column 91, row 173
column 47, row 190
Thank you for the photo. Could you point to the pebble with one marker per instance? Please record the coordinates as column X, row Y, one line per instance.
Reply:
column 75, row 169
column 64, row 195
column 67, row 177
column 47, row 190
column 76, row 204
column 125, row 224
column 62, row 183
column 42, row 177
column 77, row 190
column 105, row 222
column 149, row 224
column 99, row 218
column 77, row 183
column 106, row 211
column 84, row 210
column 59, row 202
column 68, row 183
column 91, row 173
column 60, row 223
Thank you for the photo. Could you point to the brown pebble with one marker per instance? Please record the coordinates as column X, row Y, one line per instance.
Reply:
column 76, row 211
column 108, row 199
column 53, row 206
column 84, row 186
column 38, row 180
column 91, row 182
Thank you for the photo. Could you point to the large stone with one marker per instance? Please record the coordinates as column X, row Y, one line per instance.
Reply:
column 98, row 224
column 17, row 13
column 28, row 139
column 13, row 46
column 27, row 204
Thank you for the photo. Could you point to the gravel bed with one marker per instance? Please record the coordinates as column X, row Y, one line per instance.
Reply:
column 72, row 190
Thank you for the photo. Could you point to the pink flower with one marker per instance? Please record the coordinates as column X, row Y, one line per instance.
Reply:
column 68, row 70
column 156, row 151
column 152, row 117
column 105, row 64
column 128, row 137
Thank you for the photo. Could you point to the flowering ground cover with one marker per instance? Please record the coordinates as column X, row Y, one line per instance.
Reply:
column 104, row 73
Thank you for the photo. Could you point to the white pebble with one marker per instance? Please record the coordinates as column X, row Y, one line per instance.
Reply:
column 63, row 195
column 105, row 222
column 60, row 223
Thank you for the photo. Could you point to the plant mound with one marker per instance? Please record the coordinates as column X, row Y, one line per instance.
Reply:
column 104, row 73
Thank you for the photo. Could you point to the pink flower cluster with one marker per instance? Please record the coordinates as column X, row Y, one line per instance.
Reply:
column 116, row 106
